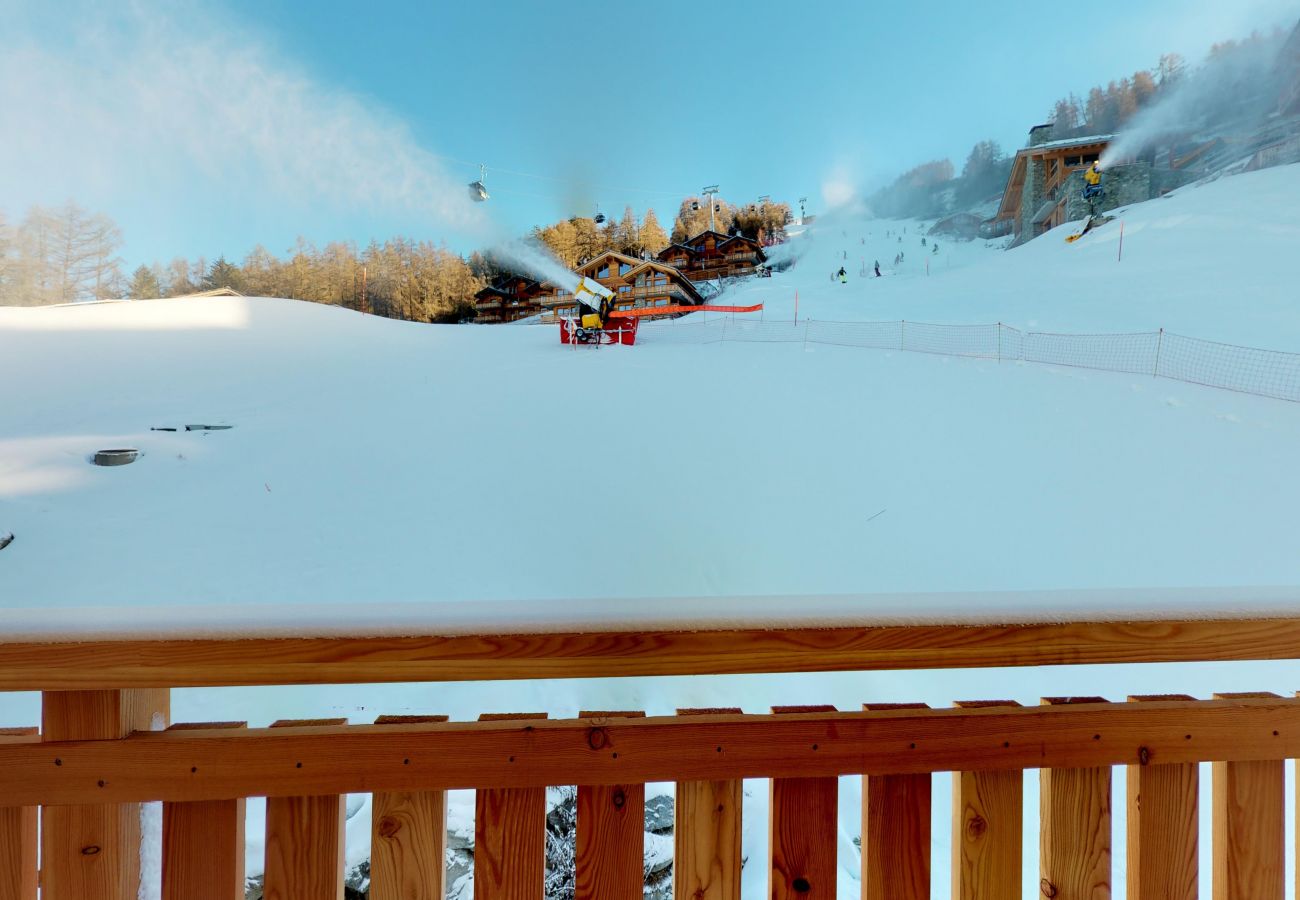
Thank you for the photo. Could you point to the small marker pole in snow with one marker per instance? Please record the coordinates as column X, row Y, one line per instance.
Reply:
column 796, row 307
column 1160, row 340
column 1121, row 241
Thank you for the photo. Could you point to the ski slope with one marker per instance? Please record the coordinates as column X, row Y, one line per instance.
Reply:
column 412, row 476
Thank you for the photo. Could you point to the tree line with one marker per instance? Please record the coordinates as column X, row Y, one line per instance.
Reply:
column 69, row 255
column 578, row 239
column 1234, row 78
column 63, row 255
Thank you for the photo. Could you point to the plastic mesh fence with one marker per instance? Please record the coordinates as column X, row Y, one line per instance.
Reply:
column 680, row 332
column 873, row 335
column 951, row 340
column 1133, row 353
column 1269, row 373
column 751, row 332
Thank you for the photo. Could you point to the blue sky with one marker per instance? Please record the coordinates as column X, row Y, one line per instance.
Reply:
column 570, row 104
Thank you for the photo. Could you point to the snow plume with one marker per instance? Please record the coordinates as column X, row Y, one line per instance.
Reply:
column 159, row 108
column 1232, row 90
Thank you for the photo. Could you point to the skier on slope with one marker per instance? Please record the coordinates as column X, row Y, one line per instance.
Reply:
column 844, row 276
column 877, row 268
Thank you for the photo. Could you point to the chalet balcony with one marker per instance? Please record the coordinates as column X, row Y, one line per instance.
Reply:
column 487, row 304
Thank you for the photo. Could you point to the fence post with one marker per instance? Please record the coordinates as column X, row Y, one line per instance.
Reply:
column 895, row 831
column 92, row 852
column 902, row 335
column 999, row 342
column 1160, row 340
column 18, row 836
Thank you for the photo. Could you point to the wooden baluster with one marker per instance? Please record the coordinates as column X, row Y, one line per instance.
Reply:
column 510, row 836
column 895, row 831
column 1249, row 845
column 706, row 833
column 18, row 836
column 408, row 838
column 611, row 827
column 987, row 820
column 92, row 852
column 803, row 827
column 305, row 839
column 1075, row 834
column 1163, row 824
column 203, row 843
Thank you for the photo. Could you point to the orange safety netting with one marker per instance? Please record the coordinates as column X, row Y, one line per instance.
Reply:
column 678, row 308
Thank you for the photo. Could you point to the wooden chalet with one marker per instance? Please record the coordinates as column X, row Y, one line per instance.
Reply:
column 509, row 299
column 638, row 284
column 711, row 254
column 1034, row 201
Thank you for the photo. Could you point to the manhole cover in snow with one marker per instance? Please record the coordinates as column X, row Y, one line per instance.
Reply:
column 116, row 457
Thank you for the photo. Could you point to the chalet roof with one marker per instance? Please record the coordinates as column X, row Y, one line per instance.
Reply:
column 705, row 233
column 743, row 240
column 621, row 257
column 214, row 292
column 678, row 278
column 1066, row 144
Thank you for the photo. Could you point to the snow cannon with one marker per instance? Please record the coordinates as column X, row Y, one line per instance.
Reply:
column 594, row 324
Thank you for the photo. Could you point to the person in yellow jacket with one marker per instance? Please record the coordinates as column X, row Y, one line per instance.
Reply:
column 1092, row 181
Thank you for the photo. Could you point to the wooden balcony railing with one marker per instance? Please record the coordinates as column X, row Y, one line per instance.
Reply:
column 99, row 752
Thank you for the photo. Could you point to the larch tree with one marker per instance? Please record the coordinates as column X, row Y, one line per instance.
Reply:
column 144, row 284
column 653, row 236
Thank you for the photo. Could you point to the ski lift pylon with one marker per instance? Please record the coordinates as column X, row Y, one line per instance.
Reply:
column 477, row 189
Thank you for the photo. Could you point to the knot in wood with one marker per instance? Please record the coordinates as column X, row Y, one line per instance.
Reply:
column 975, row 827
column 1144, row 755
column 90, row 851
column 597, row 739
column 801, row 885
column 619, row 799
column 1048, row 889
column 389, row 826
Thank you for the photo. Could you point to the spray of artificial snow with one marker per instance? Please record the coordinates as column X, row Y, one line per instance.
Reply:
column 145, row 103
column 1234, row 89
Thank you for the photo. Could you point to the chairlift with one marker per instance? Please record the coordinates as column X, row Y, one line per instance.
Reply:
column 695, row 206
column 600, row 216
column 477, row 189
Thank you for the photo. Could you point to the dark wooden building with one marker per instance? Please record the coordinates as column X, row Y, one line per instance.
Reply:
column 711, row 255
column 510, row 298
column 637, row 284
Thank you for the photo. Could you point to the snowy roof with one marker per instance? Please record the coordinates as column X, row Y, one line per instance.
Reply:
column 1066, row 143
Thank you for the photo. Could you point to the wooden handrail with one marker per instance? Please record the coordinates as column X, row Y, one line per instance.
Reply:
column 171, row 663
column 189, row 765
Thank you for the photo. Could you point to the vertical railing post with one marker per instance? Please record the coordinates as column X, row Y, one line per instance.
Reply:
column 895, row 831
column 510, row 835
column 93, row 852
column 1075, row 829
column 305, row 839
column 706, row 834
column 987, row 836
column 1163, row 824
column 203, row 843
column 18, row 836
column 803, row 826
column 408, row 837
column 611, row 828
column 1249, row 844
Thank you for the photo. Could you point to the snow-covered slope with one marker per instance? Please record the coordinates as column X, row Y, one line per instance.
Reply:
column 375, row 461
column 1217, row 261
